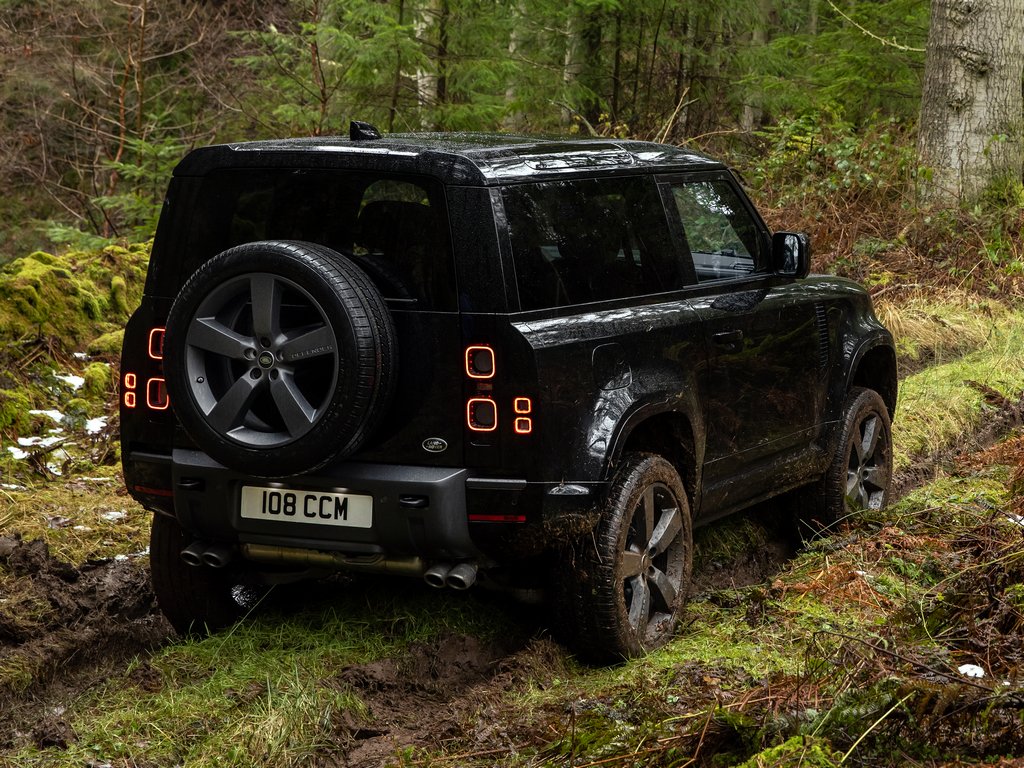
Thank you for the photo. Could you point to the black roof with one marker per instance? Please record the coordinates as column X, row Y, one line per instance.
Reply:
column 455, row 158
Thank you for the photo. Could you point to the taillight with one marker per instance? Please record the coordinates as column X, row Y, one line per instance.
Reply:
column 156, row 395
column 152, row 387
column 482, row 414
column 479, row 362
column 523, row 424
column 131, row 381
column 156, row 344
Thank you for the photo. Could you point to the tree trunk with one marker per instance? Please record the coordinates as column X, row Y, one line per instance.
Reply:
column 752, row 113
column 971, row 105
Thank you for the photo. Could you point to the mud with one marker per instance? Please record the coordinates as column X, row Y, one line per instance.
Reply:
column 62, row 629
column 442, row 693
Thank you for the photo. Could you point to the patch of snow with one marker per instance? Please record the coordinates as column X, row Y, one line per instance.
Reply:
column 54, row 468
column 17, row 452
column 120, row 558
column 95, row 426
column 82, row 528
column 1018, row 519
column 33, row 442
column 75, row 382
column 80, row 356
column 971, row 670
column 13, row 486
column 57, row 416
column 114, row 515
column 58, row 521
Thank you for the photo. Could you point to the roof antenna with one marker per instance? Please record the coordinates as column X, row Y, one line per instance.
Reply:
column 360, row 131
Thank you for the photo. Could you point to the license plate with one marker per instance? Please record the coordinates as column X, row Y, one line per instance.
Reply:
column 346, row 510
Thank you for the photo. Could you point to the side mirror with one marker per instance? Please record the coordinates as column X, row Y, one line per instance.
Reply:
column 791, row 254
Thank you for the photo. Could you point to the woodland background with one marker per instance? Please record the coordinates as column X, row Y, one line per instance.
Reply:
column 100, row 98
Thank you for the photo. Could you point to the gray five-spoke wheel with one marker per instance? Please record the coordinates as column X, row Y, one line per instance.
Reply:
column 619, row 594
column 651, row 568
column 262, row 359
column 867, row 473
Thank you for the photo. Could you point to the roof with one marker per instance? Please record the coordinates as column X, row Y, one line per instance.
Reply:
column 474, row 159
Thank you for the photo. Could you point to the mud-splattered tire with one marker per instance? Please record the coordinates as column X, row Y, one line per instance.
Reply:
column 196, row 600
column 621, row 588
column 280, row 357
column 861, row 469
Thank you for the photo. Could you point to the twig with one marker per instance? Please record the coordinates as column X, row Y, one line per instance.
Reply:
column 873, row 36
column 672, row 120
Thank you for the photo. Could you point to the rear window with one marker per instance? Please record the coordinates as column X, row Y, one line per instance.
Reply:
column 580, row 241
column 395, row 228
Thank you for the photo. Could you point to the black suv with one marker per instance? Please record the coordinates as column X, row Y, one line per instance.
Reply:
column 536, row 363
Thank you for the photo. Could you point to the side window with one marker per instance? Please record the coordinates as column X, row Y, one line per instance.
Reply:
column 587, row 240
column 722, row 236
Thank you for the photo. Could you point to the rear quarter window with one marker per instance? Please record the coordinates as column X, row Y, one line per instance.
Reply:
column 581, row 241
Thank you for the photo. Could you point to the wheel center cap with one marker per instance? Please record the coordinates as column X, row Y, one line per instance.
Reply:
column 266, row 360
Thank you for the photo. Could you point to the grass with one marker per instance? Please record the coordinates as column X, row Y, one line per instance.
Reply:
column 942, row 404
column 80, row 519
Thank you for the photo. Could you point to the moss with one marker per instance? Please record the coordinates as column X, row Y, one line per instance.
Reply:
column 97, row 381
column 808, row 751
column 14, row 408
column 107, row 343
column 119, row 295
column 75, row 413
column 74, row 297
column 43, row 258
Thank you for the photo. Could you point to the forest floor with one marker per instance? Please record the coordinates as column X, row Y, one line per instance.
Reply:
column 895, row 639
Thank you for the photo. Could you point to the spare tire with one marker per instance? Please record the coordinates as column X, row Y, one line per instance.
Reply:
column 280, row 357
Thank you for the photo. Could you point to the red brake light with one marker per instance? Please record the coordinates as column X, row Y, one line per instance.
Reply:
column 156, row 344
column 482, row 414
column 479, row 362
column 156, row 395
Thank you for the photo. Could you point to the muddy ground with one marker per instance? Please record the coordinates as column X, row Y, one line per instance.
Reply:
column 87, row 623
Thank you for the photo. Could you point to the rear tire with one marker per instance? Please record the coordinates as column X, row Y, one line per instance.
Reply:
column 197, row 600
column 620, row 591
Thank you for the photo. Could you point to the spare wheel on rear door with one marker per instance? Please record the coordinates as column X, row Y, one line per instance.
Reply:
column 280, row 356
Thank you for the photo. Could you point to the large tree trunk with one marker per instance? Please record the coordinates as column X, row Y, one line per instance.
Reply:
column 971, row 106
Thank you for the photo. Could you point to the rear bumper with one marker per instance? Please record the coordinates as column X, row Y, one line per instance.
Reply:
column 433, row 513
column 416, row 510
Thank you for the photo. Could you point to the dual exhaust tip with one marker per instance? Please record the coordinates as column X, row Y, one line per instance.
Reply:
column 211, row 555
column 461, row 576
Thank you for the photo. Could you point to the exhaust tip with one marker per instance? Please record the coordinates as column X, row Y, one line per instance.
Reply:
column 193, row 553
column 437, row 575
column 217, row 556
column 462, row 576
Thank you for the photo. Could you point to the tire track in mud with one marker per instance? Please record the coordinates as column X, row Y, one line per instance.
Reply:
column 62, row 629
